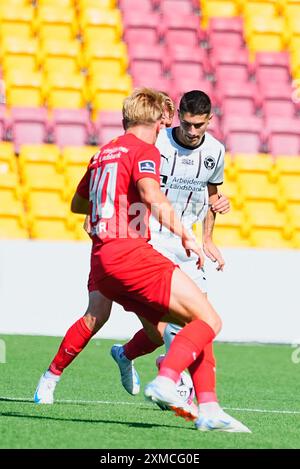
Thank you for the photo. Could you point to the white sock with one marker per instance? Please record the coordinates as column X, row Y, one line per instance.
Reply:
column 210, row 408
column 49, row 375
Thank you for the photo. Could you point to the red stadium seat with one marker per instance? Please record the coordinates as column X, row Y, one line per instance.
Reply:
column 272, row 67
column 141, row 28
column 71, row 127
column 226, row 33
column 183, row 29
column 243, row 99
column 146, row 59
column 243, row 135
column 29, row 125
column 283, row 136
column 178, row 54
column 144, row 7
column 183, row 83
column 176, row 7
column 231, row 65
column 108, row 125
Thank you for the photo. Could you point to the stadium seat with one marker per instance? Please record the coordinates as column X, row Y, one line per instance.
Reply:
column 257, row 187
column 235, row 100
column 19, row 53
column 59, row 23
column 71, row 127
column 4, row 122
column 65, row 90
column 277, row 101
column 100, row 25
column 229, row 236
column 24, row 89
column 105, row 4
column 259, row 8
column 108, row 125
column 46, row 205
column 8, row 162
column 180, row 84
column 29, row 125
column 146, row 60
column 110, row 59
column 178, row 7
column 221, row 8
column 288, row 165
column 17, row 20
column 266, row 34
column 140, row 28
column 289, row 185
column 62, row 55
column 254, row 164
column 270, row 238
column 143, row 7
column 75, row 160
column 12, row 227
column 225, row 33
column 107, row 94
column 190, row 60
column 184, row 29
column 242, row 135
column 272, row 67
column 51, row 230
column 230, row 188
column 283, row 136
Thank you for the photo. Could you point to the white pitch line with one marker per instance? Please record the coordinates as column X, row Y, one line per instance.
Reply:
column 142, row 404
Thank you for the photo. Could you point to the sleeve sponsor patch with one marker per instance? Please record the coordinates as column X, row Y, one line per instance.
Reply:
column 147, row 166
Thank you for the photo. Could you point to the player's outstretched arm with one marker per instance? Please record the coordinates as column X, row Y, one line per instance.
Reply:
column 162, row 210
column 209, row 248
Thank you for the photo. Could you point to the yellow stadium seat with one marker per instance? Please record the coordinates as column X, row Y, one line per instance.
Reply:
column 19, row 53
column 230, row 189
column 288, row 165
column 266, row 215
column 73, row 176
column 12, row 228
column 56, row 3
column 108, row 93
column 229, row 167
column 224, row 8
column 254, row 164
column 77, row 223
column 8, row 160
column 10, row 182
column 47, row 205
column 65, row 91
column 104, row 60
column 266, row 34
column 17, row 20
column 59, row 23
column 229, row 237
column 290, row 185
column 50, row 230
column 293, row 212
column 78, row 155
column 24, row 89
column 39, row 177
column 234, row 219
column 101, row 25
column 103, row 4
column 59, row 56
column 269, row 239
column 259, row 8
column 258, row 187
column 40, row 154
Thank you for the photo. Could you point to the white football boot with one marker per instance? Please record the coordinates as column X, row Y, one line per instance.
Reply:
column 163, row 392
column 44, row 393
column 212, row 417
column 129, row 376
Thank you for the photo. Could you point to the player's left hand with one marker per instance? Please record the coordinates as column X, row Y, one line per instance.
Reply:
column 222, row 205
column 213, row 253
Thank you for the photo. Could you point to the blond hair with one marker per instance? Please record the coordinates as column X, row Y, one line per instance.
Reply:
column 168, row 103
column 143, row 107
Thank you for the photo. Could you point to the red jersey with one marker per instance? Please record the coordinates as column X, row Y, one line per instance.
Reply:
column 110, row 184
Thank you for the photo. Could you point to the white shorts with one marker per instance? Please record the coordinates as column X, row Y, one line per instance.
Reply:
column 171, row 248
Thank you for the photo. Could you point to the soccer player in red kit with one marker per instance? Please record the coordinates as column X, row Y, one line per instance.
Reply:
column 121, row 185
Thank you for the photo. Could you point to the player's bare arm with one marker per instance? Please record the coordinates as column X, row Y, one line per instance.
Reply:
column 222, row 204
column 79, row 204
column 209, row 248
column 162, row 210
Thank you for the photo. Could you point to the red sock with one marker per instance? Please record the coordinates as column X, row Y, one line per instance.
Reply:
column 203, row 374
column 185, row 348
column 139, row 345
column 74, row 341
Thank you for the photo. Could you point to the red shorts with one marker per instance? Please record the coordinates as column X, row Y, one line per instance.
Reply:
column 134, row 275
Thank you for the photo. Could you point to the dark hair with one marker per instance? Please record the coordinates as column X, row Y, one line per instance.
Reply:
column 195, row 102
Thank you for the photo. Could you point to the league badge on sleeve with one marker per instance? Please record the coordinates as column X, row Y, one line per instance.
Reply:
column 147, row 166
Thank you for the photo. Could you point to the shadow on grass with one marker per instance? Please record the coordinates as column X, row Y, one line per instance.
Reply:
column 89, row 421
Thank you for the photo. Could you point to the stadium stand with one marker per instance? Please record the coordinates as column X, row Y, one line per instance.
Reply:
column 65, row 72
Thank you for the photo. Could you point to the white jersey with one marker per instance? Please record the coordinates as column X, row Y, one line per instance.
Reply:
column 185, row 173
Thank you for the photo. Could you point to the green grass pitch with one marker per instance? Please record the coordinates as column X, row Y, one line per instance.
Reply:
column 258, row 384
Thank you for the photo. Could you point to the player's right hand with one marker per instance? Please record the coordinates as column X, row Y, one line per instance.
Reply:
column 190, row 244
